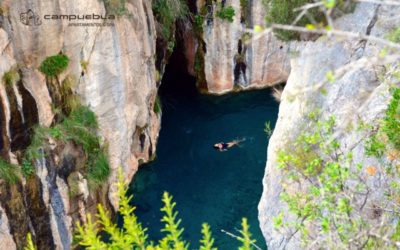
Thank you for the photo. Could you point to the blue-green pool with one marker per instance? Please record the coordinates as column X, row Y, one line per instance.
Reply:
column 209, row 186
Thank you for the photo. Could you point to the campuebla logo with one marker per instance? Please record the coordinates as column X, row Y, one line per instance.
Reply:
column 30, row 18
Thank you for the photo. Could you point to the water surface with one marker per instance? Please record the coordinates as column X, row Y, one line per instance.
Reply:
column 209, row 186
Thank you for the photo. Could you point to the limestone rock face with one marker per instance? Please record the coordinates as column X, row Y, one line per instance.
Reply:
column 6, row 239
column 113, row 68
column 233, row 58
column 355, row 96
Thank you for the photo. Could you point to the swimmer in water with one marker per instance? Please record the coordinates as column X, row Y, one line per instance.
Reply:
column 224, row 146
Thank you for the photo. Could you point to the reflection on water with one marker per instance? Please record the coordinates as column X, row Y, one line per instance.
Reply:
column 209, row 186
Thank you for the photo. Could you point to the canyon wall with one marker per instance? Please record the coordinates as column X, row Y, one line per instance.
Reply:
column 234, row 59
column 116, row 70
column 113, row 68
column 358, row 95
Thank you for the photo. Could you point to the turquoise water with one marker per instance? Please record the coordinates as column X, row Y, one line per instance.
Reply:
column 209, row 186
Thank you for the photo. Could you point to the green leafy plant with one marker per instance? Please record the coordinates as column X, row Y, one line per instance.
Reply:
column 133, row 235
column 207, row 242
column 8, row 172
column 116, row 7
column 171, row 46
column 80, row 127
column 388, row 130
column 29, row 243
column 394, row 35
column 267, row 129
column 198, row 24
column 226, row 13
column 316, row 164
column 157, row 105
column 167, row 12
column 282, row 12
column 54, row 65
column 11, row 77
column 26, row 168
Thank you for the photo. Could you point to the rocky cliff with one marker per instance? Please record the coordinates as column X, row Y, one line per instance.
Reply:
column 113, row 68
column 358, row 95
column 232, row 59
column 115, row 71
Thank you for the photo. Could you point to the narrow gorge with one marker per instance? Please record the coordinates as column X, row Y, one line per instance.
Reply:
column 87, row 86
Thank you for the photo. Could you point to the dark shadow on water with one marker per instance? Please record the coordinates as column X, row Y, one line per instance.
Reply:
column 208, row 186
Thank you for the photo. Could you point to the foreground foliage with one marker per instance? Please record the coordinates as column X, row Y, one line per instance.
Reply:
column 291, row 12
column 29, row 243
column 133, row 235
column 338, row 196
column 282, row 12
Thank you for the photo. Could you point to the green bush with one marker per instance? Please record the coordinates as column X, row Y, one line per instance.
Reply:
column 167, row 12
column 198, row 24
column 389, row 131
column 27, row 169
column 281, row 12
column 133, row 235
column 115, row 7
column 226, row 13
column 99, row 170
column 391, row 123
column 8, row 172
column 394, row 35
column 80, row 127
column 11, row 77
column 54, row 65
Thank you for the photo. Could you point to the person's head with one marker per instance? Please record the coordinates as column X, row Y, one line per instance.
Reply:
column 218, row 145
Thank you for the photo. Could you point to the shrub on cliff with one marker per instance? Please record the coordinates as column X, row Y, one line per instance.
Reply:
column 80, row 127
column 133, row 235
column 8, row 172
column 54, row 65
column 337, row 204
column 315, row 13
column 167, row 12
column 116, row 7
column 394, row 35
column 283, row 12
column 11, row 77
column 226, row 13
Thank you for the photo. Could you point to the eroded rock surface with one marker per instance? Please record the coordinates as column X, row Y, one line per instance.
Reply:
column 113, row 68
column 356, row 96
column 234, row 59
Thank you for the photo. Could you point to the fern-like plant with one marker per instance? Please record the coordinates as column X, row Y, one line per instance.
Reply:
column 132, row 235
